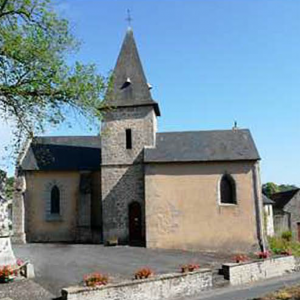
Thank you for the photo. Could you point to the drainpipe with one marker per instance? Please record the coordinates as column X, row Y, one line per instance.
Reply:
column 258, row 207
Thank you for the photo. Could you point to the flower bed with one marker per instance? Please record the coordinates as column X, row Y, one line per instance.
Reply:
column 95, row 279
column 6, row 274
column 168, row 286
column 266, row 267
column 21, row 269
column 189, row 268
column 143, row 273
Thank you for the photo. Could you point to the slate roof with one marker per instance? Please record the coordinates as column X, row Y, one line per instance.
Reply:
column 216, row 145
column 267, row 201
column 130, row 87
column 283, row 198
column 84, row 152
column 70, row 153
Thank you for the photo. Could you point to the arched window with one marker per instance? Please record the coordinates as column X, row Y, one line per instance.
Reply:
column 55, row 200
column 227, row 190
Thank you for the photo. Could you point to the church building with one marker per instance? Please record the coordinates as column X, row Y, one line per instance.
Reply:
column 194, row 190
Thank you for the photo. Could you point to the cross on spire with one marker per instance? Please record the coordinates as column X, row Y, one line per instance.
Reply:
column 128, row 19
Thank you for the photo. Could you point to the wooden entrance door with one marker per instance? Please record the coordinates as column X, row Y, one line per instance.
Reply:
column 135, row 223
column 298, row 224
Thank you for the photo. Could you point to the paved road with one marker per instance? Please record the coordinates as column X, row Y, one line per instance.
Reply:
column 24, row 290
column 249, row 291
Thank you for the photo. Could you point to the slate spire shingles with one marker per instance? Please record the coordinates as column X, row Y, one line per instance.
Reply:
column 130, row 87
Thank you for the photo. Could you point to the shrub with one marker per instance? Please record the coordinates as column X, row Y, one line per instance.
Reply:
column 287, row 235
column 277, row 245
column 241, row 258
column 288, row 293
column 143, row 273
column 283, row 295
column 95, row 279
column 189, row 268
column 286, row 252
column 281, row 246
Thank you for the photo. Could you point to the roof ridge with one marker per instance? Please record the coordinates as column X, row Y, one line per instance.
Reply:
column 210, row 130
column 65, row 136
column 288, row 191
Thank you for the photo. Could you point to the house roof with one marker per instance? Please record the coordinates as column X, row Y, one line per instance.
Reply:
column 281, row 199
column 130, row 87
column 216, row 145
column 267, row 201
column 67, row 153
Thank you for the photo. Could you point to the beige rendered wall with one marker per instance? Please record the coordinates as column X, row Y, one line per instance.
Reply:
column 37, row 227
column 183, row 209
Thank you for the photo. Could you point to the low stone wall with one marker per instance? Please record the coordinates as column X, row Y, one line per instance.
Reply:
column 253, row 271
column 156, row 288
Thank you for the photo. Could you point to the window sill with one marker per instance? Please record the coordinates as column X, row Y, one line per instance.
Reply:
column 228, row 204
column 54, row 218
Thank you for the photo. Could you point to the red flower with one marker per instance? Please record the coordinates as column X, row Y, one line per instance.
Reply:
column 264, row 254
column 143, row 273
column 95, row 279
column 20, row 262
column 189, row 268
column 5, row 272
column 241, row 258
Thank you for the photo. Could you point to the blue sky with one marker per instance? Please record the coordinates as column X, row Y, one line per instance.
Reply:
column 210, row 62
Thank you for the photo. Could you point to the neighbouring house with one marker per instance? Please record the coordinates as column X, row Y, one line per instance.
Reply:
column 268, row 215
column 287, row 212
column 194, row 190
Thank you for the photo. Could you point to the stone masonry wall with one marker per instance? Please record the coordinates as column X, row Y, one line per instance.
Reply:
column 122, row 169
column 254, row 271
column 121, row 185
column 18, row 212
column 142, row 122
column 161, row 287
column 96, row 208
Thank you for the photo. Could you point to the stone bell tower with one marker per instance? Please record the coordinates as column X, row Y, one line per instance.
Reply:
column 129, row 125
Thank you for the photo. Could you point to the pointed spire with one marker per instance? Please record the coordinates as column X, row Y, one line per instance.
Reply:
column 130, row 87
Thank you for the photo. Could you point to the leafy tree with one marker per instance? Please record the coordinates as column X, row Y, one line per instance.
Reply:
column 9, row 189
column 270, row 188
column 37, row 86
column 6, row 185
